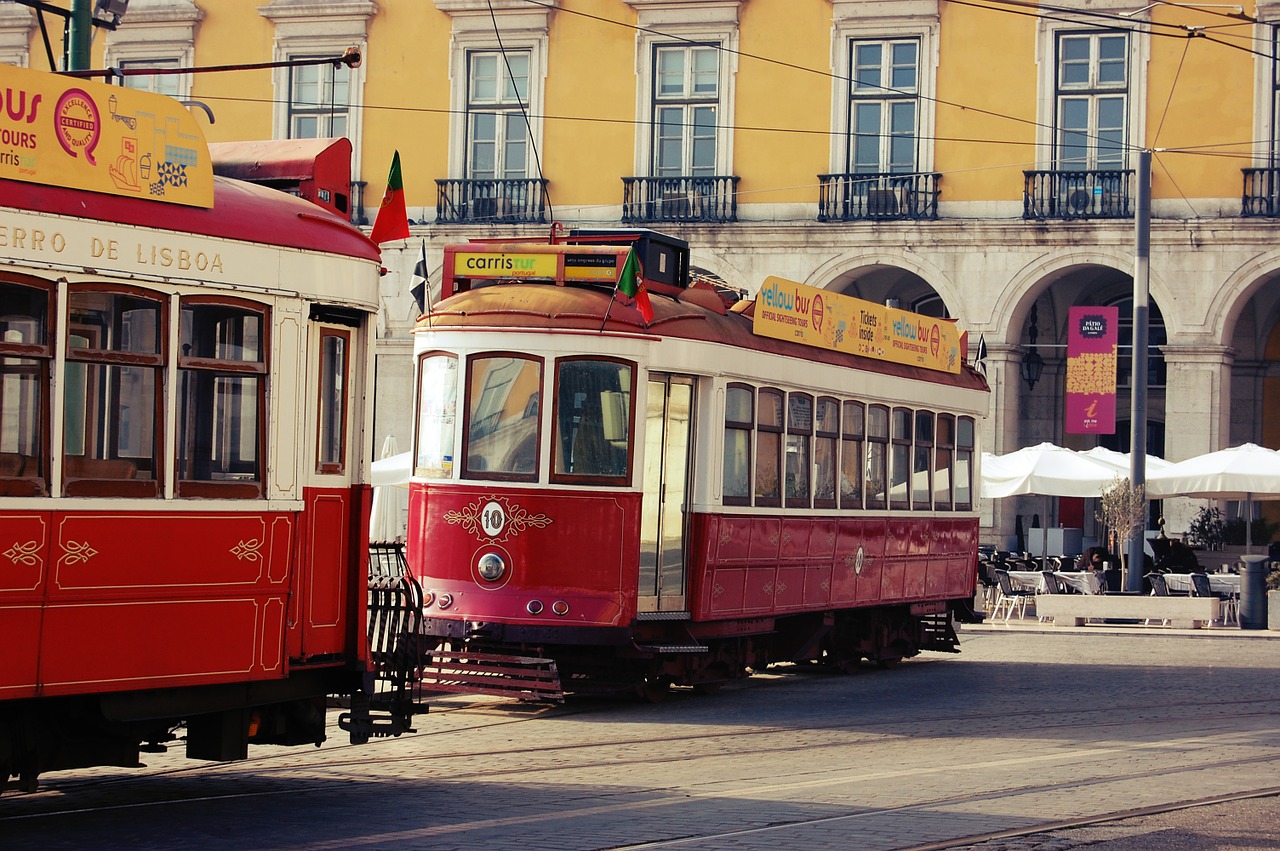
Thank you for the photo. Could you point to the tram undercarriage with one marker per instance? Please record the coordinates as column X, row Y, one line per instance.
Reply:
column 657, row 654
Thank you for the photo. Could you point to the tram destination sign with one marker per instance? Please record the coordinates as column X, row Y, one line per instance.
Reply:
column 79, row 134
column 786, row 310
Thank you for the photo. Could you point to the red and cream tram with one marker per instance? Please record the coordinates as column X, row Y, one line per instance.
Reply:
column 183, row 441
column 604, row 502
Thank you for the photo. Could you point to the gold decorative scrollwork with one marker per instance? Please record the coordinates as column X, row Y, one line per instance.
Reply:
column 248, row 550
column 515, row 519
column 24, row 553
column 77, row 553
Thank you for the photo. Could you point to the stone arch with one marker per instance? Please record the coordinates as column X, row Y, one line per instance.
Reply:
column 836, row 273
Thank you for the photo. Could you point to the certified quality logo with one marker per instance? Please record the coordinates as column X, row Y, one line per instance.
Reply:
column 77, row 124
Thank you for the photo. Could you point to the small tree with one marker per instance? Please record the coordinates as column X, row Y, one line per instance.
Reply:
column 1123, row 511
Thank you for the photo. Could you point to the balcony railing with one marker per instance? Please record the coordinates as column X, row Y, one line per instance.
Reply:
column 499, row 202
column 1052, row 194
column 1261, row 192
column 680, row 199
column 877, row 197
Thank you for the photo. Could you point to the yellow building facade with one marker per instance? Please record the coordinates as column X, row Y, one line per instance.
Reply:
column 975, row 160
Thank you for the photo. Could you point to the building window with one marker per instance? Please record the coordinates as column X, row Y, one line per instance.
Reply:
column 26, row 358
column 319, row 99
column 502, row 418
column 222, row 398
column 161, row 84
column 770, row 422
column 686, row 95
column 497, row 100
column 739, row 422
column 884, row 89
column 1091, row 96
column 331, row 445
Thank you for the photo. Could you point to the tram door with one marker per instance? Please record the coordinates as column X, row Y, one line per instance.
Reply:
column 668, row 460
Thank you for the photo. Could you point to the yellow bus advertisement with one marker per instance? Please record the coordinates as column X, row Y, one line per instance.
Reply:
column 786, row 310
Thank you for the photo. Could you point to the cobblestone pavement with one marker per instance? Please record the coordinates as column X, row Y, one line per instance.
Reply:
column 1023, row 732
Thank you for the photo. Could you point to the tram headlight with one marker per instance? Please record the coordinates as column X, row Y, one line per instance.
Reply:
column 491, row 567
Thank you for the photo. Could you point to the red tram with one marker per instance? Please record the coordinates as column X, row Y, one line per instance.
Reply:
column 604, row 502
column 184, row 361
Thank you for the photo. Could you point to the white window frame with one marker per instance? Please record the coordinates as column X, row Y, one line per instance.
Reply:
column 306, row 28
column 504, row 110
column 662, row 23
column 887, row 21
column 1065, row 23
column 522, row 27
column 157, row 31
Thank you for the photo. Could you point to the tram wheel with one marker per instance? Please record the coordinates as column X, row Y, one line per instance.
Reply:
column 888, row 663
column 655, row 689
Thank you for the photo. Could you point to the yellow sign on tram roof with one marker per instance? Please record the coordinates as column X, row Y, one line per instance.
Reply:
column 63, row 131
column 786, row 310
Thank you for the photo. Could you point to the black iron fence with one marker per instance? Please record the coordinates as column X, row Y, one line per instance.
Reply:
column 877, row 197
column 504, row 202
column 1098, row 194
column 1261, row 192
column 680, row 199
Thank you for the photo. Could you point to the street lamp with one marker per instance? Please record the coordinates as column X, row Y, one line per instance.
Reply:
column 1032, row 368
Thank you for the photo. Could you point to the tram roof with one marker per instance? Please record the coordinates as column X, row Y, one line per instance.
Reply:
column 241, row 211
column 697, row 314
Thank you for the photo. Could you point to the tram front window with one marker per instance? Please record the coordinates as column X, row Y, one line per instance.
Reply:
column 593, row 419
column 437, row 401
column 502, row 418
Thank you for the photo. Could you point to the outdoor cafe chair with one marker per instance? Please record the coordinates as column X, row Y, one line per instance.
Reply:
column 1011, row 598
column 1200, row 587
column 1158, row 589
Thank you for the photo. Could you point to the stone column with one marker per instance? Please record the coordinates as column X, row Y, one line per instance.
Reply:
column 1198, row 407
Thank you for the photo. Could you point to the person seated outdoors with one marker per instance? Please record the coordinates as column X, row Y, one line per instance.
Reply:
column 1094, row 558
column 1180, row 559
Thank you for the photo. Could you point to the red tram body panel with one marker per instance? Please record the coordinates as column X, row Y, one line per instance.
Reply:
column 602, row 499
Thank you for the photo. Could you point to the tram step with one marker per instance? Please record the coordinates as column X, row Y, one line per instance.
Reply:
column 663, row 616
column 529, row 678
column 673, row 648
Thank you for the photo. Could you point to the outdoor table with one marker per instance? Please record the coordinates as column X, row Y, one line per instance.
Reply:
column 1219, row 583
column 1084, row 581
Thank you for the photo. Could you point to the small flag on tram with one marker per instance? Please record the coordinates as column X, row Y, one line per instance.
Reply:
column 980, row 362
column 419, row 281
column 392, row 221
column 631, row 283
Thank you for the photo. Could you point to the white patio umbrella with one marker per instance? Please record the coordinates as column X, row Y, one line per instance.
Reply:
column 1121, row 460
column 388, row 516
column 1045, row 469
column 1247, row 472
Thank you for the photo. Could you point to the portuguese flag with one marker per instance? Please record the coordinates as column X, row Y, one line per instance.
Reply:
column 631, row 283
column 392, row 221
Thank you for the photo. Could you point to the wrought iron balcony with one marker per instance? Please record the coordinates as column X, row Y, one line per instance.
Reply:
column 1261, row 192
column 1053, row 194
column 877, row 197
column 499, row 202
column 680, row 199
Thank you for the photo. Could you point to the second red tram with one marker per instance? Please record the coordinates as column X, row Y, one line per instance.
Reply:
column 604, row 502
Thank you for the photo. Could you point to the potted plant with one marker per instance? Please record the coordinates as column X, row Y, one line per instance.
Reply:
column 1122, row 509
column 1207, row 529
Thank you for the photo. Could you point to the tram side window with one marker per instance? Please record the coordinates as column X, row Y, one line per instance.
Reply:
column 826, row 423
column 964, row 464
column 877, row 456
column 26, row 357
column 437, row 415
column 769, row 426
column 899, row 458
column 112, row 392
column 739, row 422
column 852, row 448
column 944, row 459
column 592, row 422
column 502, row 431
column 799, row 435
column 222, row 375
column 331, row 444
column 922, row 462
